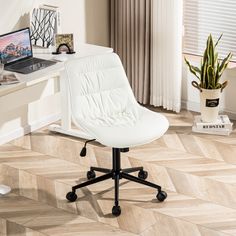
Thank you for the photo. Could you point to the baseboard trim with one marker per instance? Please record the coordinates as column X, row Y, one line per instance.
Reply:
column 194, row 106
column 231, row 114
column 190, row 106
column 21, row 131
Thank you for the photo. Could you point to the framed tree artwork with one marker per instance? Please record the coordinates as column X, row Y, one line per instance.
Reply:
column 44, row 25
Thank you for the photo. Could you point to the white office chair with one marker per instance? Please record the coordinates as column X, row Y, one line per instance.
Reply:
column 103, row 106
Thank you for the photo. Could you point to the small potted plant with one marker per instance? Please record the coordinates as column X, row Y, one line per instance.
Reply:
column 208, row 75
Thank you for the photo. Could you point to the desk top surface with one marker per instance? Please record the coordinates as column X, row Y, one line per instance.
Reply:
column 82, row 50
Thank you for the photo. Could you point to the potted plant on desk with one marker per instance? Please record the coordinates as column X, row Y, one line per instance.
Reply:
column 208, row 83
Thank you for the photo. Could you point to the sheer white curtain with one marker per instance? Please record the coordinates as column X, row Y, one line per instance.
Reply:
column 166, row 54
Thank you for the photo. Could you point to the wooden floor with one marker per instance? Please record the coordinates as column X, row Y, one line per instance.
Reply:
column 197, row 171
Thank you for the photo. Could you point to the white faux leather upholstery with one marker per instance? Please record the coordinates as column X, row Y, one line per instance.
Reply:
column 104, row 106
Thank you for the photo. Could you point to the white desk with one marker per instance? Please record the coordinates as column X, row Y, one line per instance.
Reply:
column 35, row 101
column 82, row 50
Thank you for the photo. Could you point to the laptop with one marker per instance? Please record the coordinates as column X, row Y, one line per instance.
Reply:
column 16, row 53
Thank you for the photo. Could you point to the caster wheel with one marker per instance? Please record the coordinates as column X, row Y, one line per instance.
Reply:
column 142, row 174
column 161, row 196
column 71, row 196
column 116, row 210
column 91, row 174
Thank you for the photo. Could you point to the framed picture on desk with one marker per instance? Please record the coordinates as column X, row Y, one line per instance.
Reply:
column 64, row 39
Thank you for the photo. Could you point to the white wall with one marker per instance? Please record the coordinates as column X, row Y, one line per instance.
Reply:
column 13, row 14
column 88, row 20
column 190, row 95
column 72, row 17
column 97, row 22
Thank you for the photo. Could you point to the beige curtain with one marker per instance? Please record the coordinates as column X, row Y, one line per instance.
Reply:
column 130, row 39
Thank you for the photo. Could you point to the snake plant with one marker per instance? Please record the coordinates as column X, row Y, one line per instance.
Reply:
column 211, row 68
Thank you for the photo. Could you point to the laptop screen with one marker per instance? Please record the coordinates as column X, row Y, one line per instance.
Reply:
column 15, row 46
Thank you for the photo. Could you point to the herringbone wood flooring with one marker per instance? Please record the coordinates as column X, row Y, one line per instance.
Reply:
column 198, row 171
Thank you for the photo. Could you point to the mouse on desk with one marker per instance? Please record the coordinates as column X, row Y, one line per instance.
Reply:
column 61, row 57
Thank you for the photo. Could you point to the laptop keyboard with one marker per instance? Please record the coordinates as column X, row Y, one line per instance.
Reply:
column 27, row 63
column 30, row 65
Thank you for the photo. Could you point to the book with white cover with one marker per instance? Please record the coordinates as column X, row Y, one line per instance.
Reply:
column 212, row 131
column 222, row 123
column 8, row 79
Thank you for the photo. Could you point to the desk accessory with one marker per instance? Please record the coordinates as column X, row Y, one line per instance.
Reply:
column 61, row 49
column 45, row 23
column 7, row 79
column 64, row 43
column 17, row 54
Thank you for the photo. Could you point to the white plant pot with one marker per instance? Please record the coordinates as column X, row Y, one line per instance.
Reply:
column 210, row 102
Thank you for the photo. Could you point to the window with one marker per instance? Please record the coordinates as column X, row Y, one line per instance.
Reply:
column 202, row 17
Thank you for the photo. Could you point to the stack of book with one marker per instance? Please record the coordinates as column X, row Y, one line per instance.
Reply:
column 8, row 79
column 222, row 126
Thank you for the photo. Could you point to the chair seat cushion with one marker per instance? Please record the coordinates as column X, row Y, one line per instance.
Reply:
column 103, row 104
column 138, row 127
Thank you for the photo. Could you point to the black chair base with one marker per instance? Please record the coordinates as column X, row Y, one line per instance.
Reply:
column 116, row 173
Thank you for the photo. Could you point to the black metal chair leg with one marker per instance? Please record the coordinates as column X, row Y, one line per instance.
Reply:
column 134, row 169
column 140, row 181
column 92, row 181
column 99, row 169
column 116, row 210
column 116, row 179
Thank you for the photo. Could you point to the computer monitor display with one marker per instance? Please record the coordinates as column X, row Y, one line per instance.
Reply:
column 15, row 46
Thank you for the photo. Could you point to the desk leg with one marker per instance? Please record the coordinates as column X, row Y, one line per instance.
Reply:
column 65, row 104
column 65, row 127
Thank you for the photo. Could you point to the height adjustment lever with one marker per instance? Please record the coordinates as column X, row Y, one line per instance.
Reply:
column 124, row 149
column 84, row 150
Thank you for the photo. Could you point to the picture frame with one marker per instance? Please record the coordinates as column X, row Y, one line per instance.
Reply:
column 67, row 39
column 44, row 24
